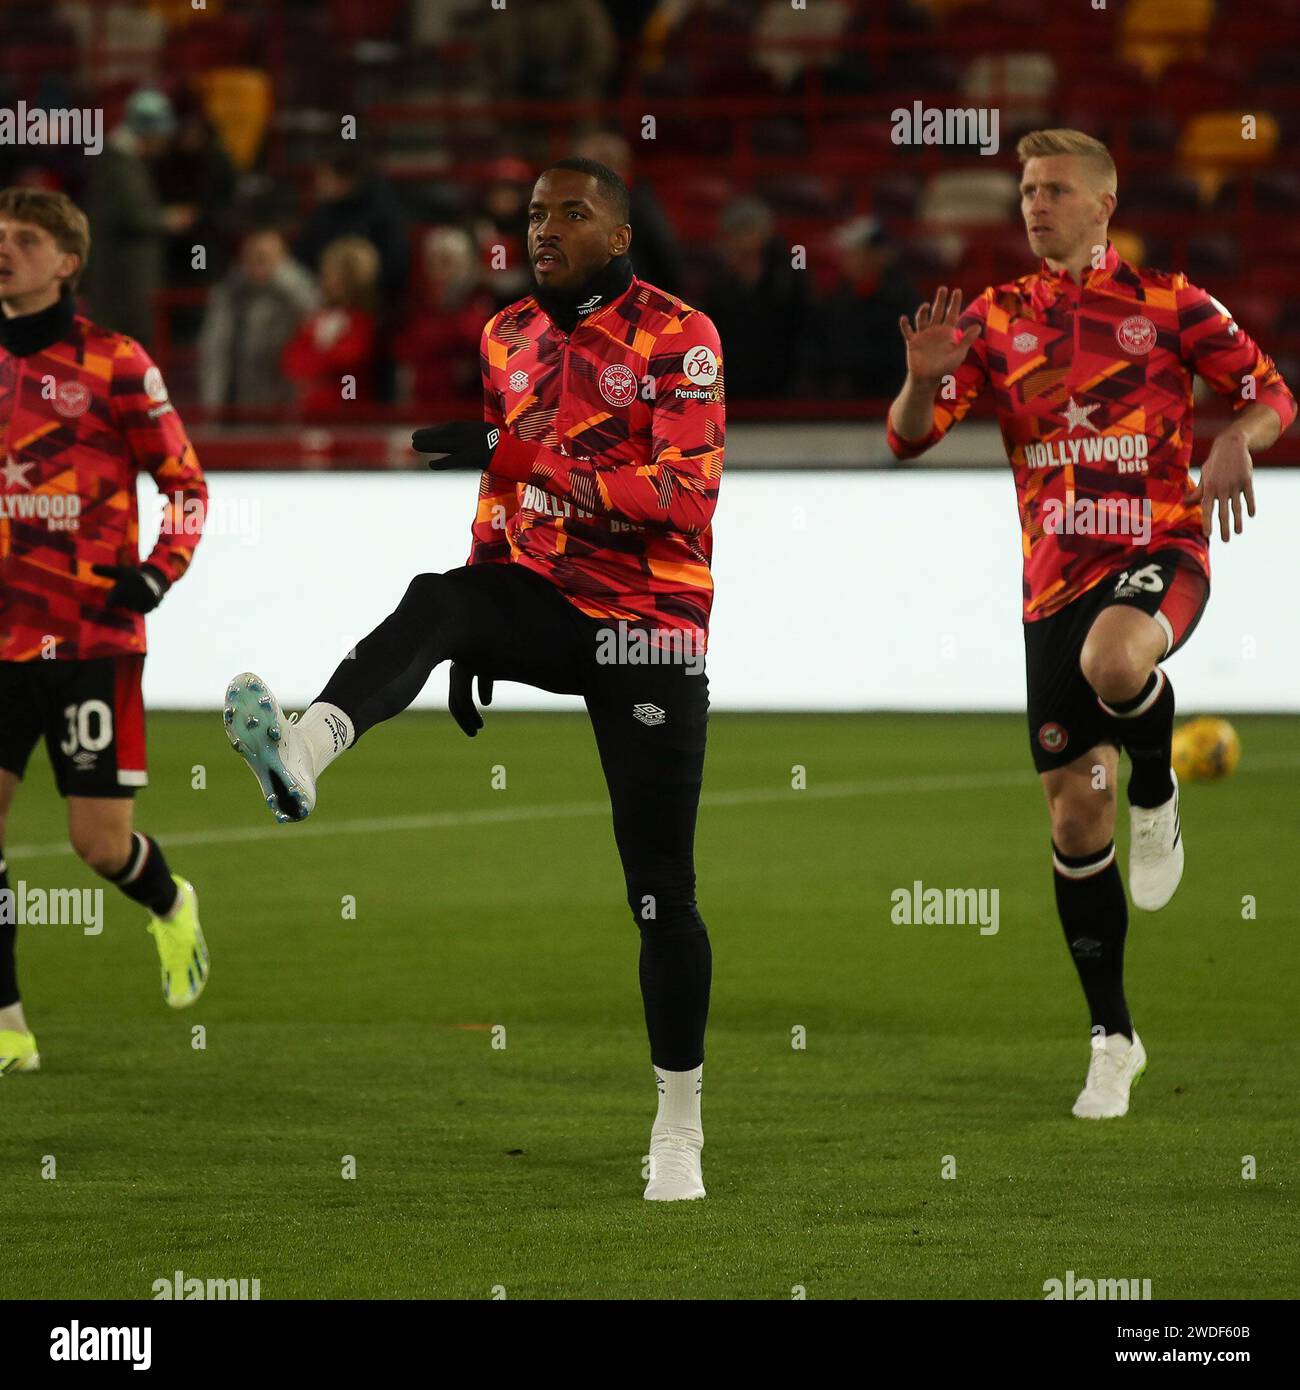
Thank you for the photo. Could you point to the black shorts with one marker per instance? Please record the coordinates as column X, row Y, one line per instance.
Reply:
column 92, row 716
column 1065, row 720
column 647, row 698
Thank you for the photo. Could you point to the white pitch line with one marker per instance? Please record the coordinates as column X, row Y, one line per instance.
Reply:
column 451, row 820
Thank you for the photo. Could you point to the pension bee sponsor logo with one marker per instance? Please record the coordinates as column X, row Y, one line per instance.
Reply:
column 154, row 386
column 700, row 366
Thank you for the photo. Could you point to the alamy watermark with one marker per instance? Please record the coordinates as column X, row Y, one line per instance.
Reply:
column 22, row 906
column 182, row 514
column 934, row 125
column 960, row 907
column 59, row 125
column 1083, row 1289
column 630, row 645
column 90, row 1343
column 192, row 1289
column 1098, row 516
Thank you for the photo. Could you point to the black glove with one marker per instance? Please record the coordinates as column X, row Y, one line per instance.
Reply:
column 463, row 444
column 460, row 698
column 138, row 587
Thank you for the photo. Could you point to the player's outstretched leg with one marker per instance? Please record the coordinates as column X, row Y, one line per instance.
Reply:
column 439, row 614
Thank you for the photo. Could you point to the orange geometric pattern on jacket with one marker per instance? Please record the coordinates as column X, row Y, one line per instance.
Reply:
column 1093, row 388
column 79, row 420
column 629, row 411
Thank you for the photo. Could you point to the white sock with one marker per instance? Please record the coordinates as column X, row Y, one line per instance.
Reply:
column 12, row 1019
column 325, row 732
column 679, row 1104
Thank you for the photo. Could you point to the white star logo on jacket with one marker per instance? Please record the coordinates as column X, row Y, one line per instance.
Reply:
column 16, row 473
column 1076, row 415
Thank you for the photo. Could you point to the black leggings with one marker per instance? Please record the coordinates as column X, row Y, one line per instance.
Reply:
column 505, row 622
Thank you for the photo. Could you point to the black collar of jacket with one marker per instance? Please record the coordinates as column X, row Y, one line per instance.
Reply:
column 567, row 308
column 30, row 333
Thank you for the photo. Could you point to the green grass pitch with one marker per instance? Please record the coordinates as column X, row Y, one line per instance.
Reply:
column 518, row 1168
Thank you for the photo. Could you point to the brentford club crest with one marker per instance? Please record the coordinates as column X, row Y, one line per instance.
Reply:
column 1136, row 334
column 618, row 384
column 1053, row 738
column 72, row 398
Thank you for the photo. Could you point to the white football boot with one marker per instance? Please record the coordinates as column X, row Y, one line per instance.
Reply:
column 1155, row 852
column 266, row 740
column 675, row 1174
column 1113, row 1072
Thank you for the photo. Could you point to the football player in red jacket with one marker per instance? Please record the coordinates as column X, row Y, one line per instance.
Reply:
column 83, row 410
column 600, row 455
column 1090, row 361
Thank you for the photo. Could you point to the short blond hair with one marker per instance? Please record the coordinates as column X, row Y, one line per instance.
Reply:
column 1043, row 143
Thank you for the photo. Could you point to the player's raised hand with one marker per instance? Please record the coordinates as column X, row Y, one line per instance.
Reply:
column 932, row 352
column 1226, row 478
